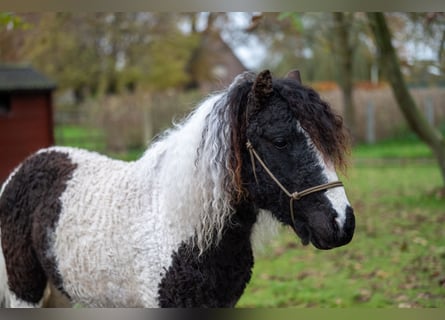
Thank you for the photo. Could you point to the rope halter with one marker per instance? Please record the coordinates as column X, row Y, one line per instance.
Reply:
column 295, row 195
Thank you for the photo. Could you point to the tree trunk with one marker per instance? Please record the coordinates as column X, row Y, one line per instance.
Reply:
column 391, row 66
column 345, row 50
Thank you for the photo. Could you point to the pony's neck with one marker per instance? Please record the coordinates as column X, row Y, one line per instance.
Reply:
column 218, row 276
column 189, row 166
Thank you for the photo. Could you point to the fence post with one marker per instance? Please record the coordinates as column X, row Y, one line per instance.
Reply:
column 370, row 123
column 429, row 110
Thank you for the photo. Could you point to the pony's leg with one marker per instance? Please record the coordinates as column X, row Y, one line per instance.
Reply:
column 29, row 208
column 16, row 302
column 26, row 278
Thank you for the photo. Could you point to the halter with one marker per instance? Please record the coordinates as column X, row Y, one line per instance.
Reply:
column 293, row 196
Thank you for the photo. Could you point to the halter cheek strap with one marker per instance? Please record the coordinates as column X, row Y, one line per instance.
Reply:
column 293, row 196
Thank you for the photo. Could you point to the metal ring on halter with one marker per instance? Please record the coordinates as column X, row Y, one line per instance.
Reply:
column 292, row 196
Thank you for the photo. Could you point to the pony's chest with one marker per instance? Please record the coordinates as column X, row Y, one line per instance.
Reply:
column 215, row 279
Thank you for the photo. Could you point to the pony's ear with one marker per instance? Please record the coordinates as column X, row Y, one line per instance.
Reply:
column 262, row 87
column 294, row 75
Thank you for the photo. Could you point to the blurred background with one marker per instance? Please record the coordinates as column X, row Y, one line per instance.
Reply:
column 111, row 82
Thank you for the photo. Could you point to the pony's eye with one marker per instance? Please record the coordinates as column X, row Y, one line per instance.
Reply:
column 280, row 143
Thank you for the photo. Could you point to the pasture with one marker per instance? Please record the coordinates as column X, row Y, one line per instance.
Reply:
column 397, row 256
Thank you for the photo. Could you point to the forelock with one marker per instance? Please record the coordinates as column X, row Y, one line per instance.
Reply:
column 316, row 117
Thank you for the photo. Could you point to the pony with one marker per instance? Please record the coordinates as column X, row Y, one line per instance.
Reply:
column 176, row 228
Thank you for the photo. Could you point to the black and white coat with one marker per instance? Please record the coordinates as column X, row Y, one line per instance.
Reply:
column 121, row 236
column 159, row 231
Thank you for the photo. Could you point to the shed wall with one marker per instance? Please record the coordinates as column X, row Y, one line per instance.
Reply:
column 25, row 129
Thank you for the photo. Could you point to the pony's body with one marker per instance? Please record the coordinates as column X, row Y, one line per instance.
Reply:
column 164, row 230
column 107, row 203
column 117, row 229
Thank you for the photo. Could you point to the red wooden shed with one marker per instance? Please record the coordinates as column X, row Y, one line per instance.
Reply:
column 26, row 121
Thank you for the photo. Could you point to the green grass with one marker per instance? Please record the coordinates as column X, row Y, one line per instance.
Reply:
column 405, row 146
column 394, row 149
column 80, row 137
column 396, row 259
column 91, row 139
column 410, row 148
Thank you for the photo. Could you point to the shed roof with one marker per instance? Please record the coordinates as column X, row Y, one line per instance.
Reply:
column 18, row 78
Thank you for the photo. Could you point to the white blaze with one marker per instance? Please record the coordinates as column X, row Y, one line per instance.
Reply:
column 337, row 195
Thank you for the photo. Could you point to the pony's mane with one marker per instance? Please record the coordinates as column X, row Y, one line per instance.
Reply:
column 325, row 128
column 194, row 165
column 219, row 158
column 207, row 144
column 203, row 154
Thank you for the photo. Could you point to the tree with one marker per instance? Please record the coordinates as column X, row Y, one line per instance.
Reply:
column 12, row 29
column 323, row 46
column 102, row 53
column 11, row 21
column 391, row 67
column 344, row 46
column 424, row 33
column 65, row 47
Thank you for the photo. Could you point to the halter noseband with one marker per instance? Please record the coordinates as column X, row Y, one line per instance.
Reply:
column 293, row 196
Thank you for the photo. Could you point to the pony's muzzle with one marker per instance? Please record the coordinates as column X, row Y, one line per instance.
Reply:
column 335, row 235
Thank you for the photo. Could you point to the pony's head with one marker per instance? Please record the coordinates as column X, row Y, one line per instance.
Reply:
column 286, row 146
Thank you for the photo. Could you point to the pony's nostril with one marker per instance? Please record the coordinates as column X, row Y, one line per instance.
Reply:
column 349, row 225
